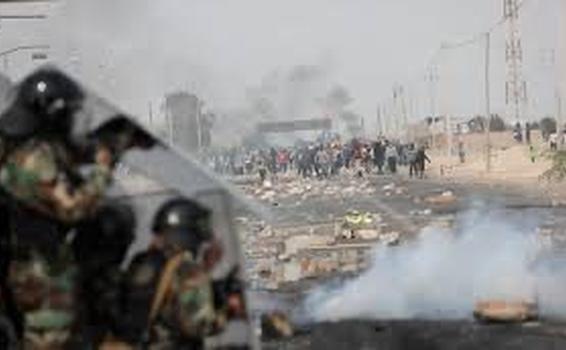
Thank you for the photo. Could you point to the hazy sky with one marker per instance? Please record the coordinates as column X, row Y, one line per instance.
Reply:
column 135, row 50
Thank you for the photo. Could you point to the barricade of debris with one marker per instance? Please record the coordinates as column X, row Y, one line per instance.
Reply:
column 444, row 198
column 303, row 189
column 287, row 254
column 505, row 311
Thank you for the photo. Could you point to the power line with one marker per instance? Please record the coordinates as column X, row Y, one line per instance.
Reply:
column 470, row 41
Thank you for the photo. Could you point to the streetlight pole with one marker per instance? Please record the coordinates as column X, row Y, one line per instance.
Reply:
column 6, row 53
column 432, row 79
column 22, row 17
column 487, row 104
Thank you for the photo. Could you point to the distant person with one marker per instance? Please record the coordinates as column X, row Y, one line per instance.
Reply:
column 532, row 153
column 412, row 160
column 347, row 155
column 553, row 141
column 262, row 171
column 518, row 133
column 422, row 158
column 528, row 133
column 379, row 156
column 461, row 151
column 323, row 163
column 272, row 161
column 392, row 157
column 338, row 163
column 282, row 160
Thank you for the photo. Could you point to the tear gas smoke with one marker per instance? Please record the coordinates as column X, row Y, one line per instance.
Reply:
column 487, row 255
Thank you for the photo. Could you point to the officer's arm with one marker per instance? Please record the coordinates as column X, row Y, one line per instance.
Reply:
column 71, row 203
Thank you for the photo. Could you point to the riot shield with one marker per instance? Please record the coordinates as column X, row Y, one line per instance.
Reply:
column 151, row 171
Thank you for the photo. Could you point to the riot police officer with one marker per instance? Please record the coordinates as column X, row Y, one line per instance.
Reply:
column 41, row 159
column 169, row 292
column 100, row 246
column 43, row 193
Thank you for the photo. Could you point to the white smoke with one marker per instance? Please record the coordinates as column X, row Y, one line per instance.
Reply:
column 443, row 273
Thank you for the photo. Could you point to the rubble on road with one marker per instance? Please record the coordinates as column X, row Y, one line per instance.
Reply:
column 391, row 239
column 279, row 255
column 307, row 188
column 505, row 311
column 424, row 212
column 445, row 198
column 392, row 188
column 389, row 187
column 275, row 325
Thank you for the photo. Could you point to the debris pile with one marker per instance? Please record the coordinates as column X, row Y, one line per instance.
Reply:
column 392, row 188
column 445, row 198
column 275, row 325
column 280, row 255
column 303, row 189
column 505, row 311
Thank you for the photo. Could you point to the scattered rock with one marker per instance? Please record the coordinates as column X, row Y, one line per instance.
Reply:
column 400, row 190
column 425, row 212
column 445, row 198
column 275, row 325
column 367, row 234
column 389, row 187
column 390, row 239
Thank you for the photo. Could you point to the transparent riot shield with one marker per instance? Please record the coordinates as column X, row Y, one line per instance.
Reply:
column 150, row 172
column 149, row 176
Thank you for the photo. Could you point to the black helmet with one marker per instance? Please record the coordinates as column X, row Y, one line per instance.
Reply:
column 46, row 100
column 104, row 238
column 184, row 223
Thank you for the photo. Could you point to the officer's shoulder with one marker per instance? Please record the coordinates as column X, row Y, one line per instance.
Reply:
column 148, row 257
column 145, row 268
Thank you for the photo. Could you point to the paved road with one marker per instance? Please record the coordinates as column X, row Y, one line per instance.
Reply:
column 399, row 210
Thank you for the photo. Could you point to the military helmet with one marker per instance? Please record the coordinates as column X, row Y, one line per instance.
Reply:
column 183, row 223
column 46, row 100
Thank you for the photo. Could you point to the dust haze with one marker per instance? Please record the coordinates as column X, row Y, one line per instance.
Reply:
column 135, row 51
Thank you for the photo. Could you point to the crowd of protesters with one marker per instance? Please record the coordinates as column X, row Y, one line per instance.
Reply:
column 323, row 159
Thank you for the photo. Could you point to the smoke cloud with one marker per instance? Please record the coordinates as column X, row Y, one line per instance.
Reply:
column 487, row 255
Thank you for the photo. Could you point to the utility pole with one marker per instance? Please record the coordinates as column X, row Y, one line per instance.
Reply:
column 559, row 121
column 169, row 122
column 561, row 61
column 396, row 110
column 548, row 58
column 379, row 124
column 487, row 103
column 386, row 119
column 432, row 79
column 199, row 104
column 515, row 86
column 7, row 53
column 405, row 121
column 150, row 113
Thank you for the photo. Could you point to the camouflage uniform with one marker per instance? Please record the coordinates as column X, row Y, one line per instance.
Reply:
column 45, row 294
column 39, row 174
column 42, row 272
column 43, row 193
column 173, row 298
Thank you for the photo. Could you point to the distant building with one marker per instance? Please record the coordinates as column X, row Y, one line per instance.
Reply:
column 183, row 112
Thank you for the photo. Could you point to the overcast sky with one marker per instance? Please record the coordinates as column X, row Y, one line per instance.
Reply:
column 135, row 50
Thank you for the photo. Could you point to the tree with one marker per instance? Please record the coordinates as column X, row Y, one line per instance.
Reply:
column 477, row 124
column 497, row 123
column 557, row 171
column 547, row 126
